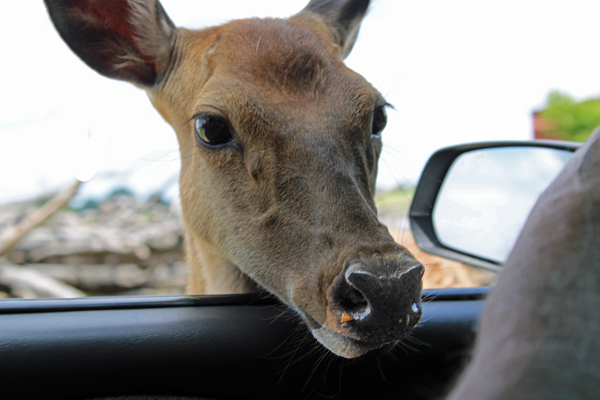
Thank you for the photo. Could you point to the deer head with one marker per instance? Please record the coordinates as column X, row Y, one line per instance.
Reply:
column 279, row 146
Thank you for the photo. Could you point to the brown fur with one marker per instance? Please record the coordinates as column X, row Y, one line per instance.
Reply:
column 263, row 180
column 288, row 205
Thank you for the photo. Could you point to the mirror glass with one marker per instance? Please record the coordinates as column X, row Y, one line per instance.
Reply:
column 488, row 194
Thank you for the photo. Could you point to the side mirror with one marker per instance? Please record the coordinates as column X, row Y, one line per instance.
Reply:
column 472, row 200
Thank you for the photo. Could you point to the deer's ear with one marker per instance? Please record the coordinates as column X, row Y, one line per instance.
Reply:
column 343, row 18
column 129, row 40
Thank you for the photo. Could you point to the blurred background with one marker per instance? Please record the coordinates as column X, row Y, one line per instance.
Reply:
column 455, row 72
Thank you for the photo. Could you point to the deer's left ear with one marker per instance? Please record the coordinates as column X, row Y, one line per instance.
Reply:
column 343, row 18
column 129, row 40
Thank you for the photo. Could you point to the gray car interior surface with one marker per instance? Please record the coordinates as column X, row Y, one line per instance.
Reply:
column 218, row 347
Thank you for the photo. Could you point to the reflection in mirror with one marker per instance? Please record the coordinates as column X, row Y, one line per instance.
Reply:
column 488, row 194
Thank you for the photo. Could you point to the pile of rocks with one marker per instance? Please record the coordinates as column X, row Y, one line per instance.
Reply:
column 124, row 246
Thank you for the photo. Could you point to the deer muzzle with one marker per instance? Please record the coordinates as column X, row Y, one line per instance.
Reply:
column 373, row 303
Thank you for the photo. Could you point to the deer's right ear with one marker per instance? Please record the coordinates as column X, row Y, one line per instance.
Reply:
column 343, row 18
column 129, row 40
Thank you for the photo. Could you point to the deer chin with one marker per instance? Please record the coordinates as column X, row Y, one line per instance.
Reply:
column 343, row 345
column 348, row 347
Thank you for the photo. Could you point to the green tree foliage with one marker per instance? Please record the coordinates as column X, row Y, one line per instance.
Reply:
column 121, row 191
column 569, row 119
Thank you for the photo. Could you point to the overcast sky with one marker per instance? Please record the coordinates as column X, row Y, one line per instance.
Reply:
column 456, row 71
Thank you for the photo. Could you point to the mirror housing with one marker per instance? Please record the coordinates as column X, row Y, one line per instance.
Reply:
column 445, row 167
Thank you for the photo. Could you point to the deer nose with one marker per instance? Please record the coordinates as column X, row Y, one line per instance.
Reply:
column 379, row 302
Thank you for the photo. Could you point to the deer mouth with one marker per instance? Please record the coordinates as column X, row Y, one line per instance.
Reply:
column 350, row 344
column 348, row 347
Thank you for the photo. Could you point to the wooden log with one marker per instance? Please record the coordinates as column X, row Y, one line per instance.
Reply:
column 29, row 283
column 105, row 278
column 38, row 217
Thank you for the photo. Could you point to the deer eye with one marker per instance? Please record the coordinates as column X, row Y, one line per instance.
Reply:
column 379, row 122
column 212, row 131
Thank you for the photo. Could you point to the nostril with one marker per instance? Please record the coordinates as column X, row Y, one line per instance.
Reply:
column 353, row 302
column 348, row 297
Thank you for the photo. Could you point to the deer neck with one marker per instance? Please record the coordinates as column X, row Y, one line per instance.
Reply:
column 211, row 273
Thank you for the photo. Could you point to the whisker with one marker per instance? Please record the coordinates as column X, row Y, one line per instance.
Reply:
column 315, row 367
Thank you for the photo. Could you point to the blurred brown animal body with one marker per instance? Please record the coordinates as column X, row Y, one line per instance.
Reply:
column 441, row 272
column 279, row 145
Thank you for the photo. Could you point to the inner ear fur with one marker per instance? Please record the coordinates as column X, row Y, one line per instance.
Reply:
column 130, row 40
